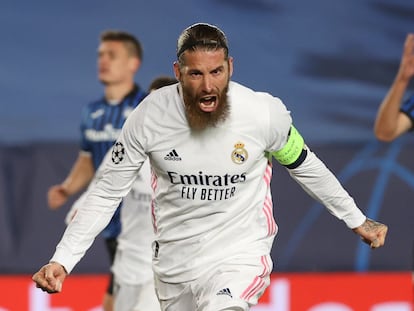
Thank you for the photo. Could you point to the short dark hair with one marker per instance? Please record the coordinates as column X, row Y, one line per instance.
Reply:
column 161, row 81
column 202, row 35
column 132, row 43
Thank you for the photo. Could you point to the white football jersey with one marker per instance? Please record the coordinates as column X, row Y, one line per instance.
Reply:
column 212, row 188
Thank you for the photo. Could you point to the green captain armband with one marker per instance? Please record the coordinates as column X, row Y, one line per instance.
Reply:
column 294, row 152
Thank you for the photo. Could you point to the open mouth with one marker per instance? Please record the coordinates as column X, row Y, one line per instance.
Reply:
column 208, row 103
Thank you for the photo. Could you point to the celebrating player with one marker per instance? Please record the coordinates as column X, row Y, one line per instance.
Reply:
column 209, row 141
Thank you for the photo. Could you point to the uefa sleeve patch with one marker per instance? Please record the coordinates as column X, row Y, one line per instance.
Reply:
column 294, row 151
column 118, row 152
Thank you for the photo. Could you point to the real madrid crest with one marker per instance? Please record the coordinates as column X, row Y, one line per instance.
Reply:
column 239, row 155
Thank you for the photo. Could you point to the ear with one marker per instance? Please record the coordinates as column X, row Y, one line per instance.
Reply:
column 230, row 66
column 134, row 64
column 177, row 72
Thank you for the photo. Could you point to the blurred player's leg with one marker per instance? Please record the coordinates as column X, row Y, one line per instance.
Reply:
column 128, row 297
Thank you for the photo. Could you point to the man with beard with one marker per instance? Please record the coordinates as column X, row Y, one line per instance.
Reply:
column 210, row 142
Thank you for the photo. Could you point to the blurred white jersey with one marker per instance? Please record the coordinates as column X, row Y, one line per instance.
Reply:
column 132, row 264
column 213, row 199
column 134, row 287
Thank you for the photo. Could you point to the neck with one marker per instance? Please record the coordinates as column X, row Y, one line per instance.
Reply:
column 118, row 92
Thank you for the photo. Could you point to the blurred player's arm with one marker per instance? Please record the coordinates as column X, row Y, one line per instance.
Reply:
column 79, row 177
column 390, row 122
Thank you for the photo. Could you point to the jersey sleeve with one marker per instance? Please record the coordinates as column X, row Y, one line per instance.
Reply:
column 289, row 149
column 408, row 109
column 279, row 124
column 321, row 184
column 116, row 176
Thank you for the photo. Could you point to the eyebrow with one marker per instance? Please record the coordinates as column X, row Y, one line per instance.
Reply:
column 221, row 67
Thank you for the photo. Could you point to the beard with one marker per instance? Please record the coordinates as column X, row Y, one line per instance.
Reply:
column 198, row 119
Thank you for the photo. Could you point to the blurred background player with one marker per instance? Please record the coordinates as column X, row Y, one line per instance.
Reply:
column 396, row 117
column 161, row 81
column 119, row 59
column 132, row 267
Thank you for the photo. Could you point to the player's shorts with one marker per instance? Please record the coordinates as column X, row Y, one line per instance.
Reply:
column 111, row 245
column 129, row 297
column 235, row 285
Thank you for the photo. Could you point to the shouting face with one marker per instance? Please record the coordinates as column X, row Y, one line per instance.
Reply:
column 204, row 77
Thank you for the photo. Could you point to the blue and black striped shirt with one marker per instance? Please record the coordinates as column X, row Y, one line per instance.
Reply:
column 101, row 125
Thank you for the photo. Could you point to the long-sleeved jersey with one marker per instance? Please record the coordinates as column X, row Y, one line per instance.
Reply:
column 212, row 188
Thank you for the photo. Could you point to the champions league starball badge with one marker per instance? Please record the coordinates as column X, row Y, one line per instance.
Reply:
column 118, row 152
column 239, row 155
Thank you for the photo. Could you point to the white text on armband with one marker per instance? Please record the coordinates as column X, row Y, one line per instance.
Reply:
column 294, row 152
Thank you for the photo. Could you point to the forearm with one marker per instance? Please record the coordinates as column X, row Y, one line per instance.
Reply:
column 321, row 184
column 95, row 212
column 386, row 123
column 91, row 218
column 80, row 175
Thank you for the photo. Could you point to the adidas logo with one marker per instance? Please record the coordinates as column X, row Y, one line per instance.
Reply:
column 172, row 156
column 225, row 291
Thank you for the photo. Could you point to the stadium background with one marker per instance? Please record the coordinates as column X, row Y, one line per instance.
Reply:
column 331, row 62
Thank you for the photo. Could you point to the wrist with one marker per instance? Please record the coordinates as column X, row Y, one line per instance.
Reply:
column 59, row 264
column 65, row 190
